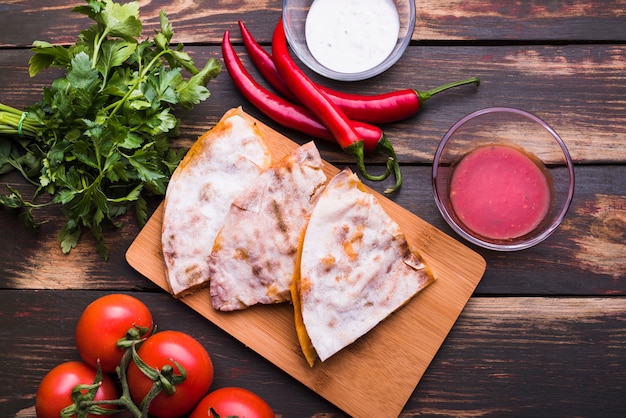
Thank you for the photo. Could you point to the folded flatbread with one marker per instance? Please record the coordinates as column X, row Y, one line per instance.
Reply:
column 255, row 252
column 355, row 269
column 218, row 166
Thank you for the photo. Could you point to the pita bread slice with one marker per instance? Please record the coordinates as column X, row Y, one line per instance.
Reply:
column 255, row 253
column 355, row 269
column 218, row 166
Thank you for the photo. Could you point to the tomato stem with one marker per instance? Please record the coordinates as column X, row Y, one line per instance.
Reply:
column 132, row 336
column 165, row 380
column 84, row 403
column 121, row 374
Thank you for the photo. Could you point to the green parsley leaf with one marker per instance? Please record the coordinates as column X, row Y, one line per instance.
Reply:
column 113, row 55
column 194, row 91
column 121, row 20
column 45, row 56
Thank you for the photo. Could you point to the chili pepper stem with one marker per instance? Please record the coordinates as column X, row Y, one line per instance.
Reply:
column 385, row 146
column 425, row 95
column 393, row 166
column 356, row 149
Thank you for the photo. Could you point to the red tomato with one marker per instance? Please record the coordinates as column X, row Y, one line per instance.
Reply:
column 103, row 323
column 233, row 401
column 55, row 390
column 159, row 350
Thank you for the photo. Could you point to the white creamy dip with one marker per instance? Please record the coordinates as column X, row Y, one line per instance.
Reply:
column 350, row 36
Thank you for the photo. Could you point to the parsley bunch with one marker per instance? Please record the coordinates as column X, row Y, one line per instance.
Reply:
column 98, row 141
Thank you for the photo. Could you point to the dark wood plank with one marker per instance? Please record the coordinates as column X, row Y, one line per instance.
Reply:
column 537, row 21
column 203, row 21
column 579, row 90
column 505, row 356
column 540, row 357
column 585, row 256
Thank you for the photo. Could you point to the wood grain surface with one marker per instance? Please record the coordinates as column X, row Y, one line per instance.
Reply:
column 543, row 333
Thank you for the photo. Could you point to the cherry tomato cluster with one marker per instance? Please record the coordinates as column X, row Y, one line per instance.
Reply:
column 128, row 367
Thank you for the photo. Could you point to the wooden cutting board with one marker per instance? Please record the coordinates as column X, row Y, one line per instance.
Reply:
column 376, row 375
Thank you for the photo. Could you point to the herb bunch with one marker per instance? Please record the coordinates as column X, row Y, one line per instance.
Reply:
column 99, row 140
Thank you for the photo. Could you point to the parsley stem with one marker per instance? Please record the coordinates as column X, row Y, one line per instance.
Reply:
column 10, row 122
column 99, row 38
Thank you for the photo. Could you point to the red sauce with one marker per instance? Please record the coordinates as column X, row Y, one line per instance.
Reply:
column 499, row 192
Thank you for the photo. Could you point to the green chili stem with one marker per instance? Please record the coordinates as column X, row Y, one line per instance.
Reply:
column 356, row 149
column 384, row 146
column 427, row 94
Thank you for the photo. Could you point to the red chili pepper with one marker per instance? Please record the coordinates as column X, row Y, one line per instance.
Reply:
column 282, row 111
column 329, row 113
column 262, row 60
column 380, row 108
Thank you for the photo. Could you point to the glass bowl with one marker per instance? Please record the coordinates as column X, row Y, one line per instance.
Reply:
column 503, row 179
column 368, row 60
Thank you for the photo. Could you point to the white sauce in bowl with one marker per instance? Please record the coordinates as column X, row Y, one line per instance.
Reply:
column 351, row 36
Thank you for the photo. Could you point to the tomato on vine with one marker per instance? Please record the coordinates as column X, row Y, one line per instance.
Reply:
column 174, row 364
column 56, row 389
column 232, row 402
column 105, row 322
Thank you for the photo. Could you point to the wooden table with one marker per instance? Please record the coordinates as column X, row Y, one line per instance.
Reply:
column 544, row 333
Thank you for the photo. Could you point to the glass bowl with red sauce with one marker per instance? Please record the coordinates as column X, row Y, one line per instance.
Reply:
column 503, row 179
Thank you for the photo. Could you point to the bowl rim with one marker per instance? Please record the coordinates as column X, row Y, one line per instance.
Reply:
column 503, row 246
column 387, row 63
